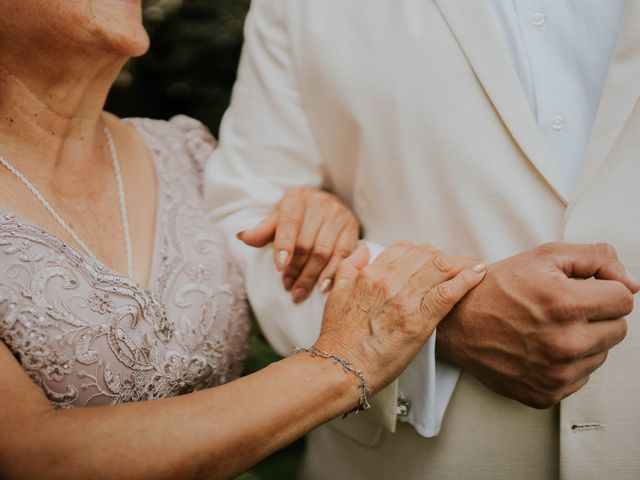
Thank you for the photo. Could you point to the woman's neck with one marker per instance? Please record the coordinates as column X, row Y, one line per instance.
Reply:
column 51, row 115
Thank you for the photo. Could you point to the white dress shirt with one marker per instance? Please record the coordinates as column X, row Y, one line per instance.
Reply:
column 561, row 50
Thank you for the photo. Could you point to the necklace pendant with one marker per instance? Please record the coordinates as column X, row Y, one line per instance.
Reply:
column 161, row 322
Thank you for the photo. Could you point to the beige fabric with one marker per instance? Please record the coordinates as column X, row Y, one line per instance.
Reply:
column 413, row 113
column 477, row 449
column 489, row 188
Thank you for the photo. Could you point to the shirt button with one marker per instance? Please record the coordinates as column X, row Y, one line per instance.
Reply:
column 538, row 19
column 558, row 122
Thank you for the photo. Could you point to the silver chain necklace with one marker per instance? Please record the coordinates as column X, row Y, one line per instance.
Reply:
column 121, row 198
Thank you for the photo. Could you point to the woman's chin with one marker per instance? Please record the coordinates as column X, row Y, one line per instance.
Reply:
column 117, row 26
column 127, row 44
column 135, row 46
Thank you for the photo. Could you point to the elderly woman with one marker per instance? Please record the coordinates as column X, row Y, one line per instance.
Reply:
column 115, row 288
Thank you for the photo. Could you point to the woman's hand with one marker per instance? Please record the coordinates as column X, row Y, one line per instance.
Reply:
column 379, row 317
column 312, row 231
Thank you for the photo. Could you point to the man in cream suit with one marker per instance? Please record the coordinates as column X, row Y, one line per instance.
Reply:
column 487, row 128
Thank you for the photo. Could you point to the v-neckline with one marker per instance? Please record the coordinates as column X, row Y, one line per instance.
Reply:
column 151, row 278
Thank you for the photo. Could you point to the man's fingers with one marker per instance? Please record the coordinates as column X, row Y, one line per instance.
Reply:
column 574, row 387
column 595, row 260
column 263, row 234
column 597, row 300
column 583, row 340
column 349, row 268
column 586, row 366
column 599, row 337
column 291, row 216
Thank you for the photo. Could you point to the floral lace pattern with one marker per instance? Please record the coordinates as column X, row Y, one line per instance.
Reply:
column 89, row 336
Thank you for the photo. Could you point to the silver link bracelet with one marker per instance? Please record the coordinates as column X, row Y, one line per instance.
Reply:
column 363, row 403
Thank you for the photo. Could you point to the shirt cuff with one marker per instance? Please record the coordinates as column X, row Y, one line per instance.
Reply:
column 428, row 383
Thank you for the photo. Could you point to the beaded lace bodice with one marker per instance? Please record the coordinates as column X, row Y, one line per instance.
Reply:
column 89, row 336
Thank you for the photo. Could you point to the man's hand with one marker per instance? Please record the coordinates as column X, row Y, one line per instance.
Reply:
column 541, row 322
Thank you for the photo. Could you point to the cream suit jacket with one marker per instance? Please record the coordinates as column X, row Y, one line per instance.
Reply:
column 412, row 112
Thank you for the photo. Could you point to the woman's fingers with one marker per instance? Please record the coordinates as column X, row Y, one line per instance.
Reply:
column 263, row 234
column 291, row 219
column 440, row 299
column 304, row 244
column 382, row 314
column 441, row 267
column 312, row 232
column 351, row 266
column 346, row 243
column 326, row 246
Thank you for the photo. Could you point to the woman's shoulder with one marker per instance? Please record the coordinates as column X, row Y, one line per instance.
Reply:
column 178, row 137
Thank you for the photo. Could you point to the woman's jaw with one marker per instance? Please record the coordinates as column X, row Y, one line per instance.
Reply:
column 116, row 26
column 107, row 27
column 58, row 61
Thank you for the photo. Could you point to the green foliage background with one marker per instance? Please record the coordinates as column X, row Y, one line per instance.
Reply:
column 192, row 63
column 190, row 69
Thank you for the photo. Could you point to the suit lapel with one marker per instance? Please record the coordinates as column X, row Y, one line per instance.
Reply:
column 619, row 98
column 479, row 36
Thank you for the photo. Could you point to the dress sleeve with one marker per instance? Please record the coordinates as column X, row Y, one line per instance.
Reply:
column 197, row 139
column 181, row 144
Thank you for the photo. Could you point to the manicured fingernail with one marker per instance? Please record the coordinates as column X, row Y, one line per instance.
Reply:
column 283, row 255
column 288, row 283
column 326, row 285
column 299, row 295
column 481, row 267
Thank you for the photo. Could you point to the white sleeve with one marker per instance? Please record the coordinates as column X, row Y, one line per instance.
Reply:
column 266, row 147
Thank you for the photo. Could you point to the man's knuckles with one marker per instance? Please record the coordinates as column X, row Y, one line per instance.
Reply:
column 543, row 400
column 563, row 308
column 605, row 251
column 562, row 348
column 556, row 379
column 626, row 303
column 550, row 249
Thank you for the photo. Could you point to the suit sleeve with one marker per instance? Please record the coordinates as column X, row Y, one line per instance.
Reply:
column 266, row 147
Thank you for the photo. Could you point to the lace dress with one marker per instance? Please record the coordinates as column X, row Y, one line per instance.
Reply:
column 89, row 336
